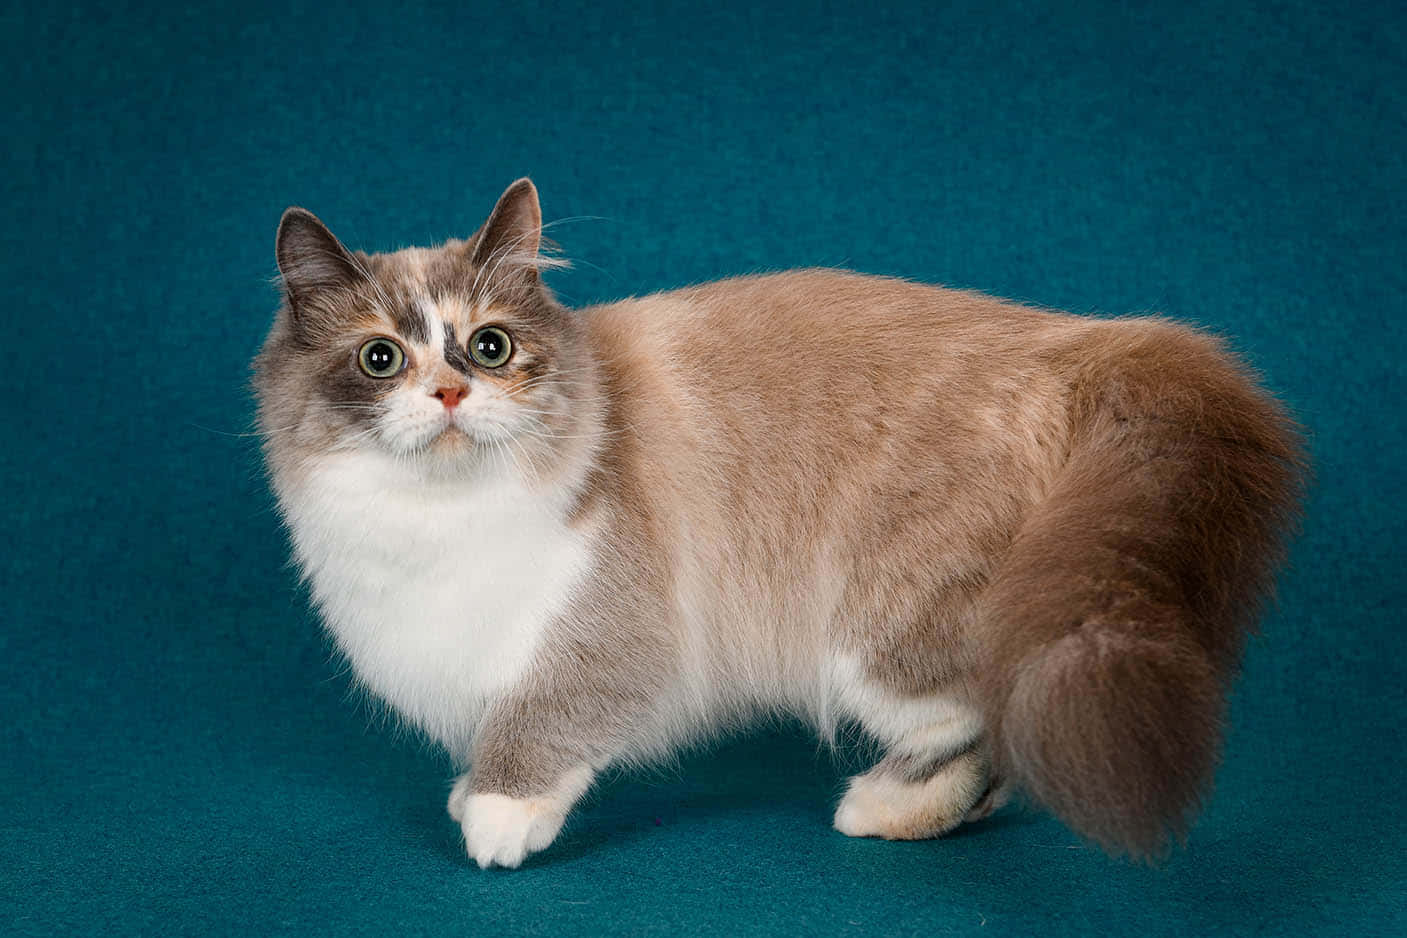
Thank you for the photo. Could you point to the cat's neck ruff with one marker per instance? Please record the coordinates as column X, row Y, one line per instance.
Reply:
column 437, row 588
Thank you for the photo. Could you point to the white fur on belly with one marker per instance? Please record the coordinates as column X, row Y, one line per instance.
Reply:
column 438, row 592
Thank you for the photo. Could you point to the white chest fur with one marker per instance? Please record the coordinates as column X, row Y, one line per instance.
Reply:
column 437, row 592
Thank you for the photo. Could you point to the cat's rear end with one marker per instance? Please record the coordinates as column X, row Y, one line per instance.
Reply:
column 1115, row 621
column 1066, row 523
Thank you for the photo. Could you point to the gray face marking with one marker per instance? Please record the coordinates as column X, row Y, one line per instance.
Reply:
column 411, row 321
column 455, row 355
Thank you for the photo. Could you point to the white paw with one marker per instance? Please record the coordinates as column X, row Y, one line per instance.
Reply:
column 880, row 805
column 863, row 812
column 502, row 831
column 457, row 796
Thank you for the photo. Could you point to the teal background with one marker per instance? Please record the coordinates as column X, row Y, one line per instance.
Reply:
column 181, row 751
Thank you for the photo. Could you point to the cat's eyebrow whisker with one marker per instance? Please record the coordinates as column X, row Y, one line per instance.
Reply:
column 572, row 219
column 596, row 267
column 545, row 259
column 508, row 249
column 503, row 252
column 474, row 287
column 490, row 265
column 375, row 284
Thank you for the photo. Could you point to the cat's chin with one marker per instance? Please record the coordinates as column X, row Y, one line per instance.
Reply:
column 453, row 436
column 453, row 444
column 453, row 449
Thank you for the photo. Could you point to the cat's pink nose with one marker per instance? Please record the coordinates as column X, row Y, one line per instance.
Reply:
column 452, row 395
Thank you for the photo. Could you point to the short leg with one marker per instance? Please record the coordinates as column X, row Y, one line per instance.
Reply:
column 906, row 798
column 539, row 748
column 589, row 699
column 502, row 830
column 532, row 762
column 936, row 772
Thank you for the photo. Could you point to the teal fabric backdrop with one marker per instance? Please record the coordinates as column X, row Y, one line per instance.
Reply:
column 181, row 751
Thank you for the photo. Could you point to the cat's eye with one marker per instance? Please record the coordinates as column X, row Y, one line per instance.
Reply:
column 381, row 358
column 490, row 346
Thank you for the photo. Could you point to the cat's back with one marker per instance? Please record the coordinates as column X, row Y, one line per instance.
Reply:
column 793, row 398
column 803, row 317
column 812, row 357
column 781, row 431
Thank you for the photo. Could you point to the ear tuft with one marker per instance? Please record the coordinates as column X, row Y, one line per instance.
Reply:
column 310, row 257
column 514, row 229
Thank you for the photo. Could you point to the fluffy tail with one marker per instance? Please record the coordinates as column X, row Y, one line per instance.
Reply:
column 1115, row 622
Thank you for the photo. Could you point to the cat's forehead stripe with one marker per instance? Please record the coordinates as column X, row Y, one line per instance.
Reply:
column 438, row 323
column 455, row 355
column 412, row 320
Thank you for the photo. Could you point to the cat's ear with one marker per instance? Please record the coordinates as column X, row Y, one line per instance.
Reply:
column 311, row 259
column 512, row 237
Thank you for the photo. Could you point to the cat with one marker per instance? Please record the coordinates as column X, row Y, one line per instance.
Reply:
column 1019, row 549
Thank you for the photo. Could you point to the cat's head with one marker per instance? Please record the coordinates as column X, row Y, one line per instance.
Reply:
column 449, row 358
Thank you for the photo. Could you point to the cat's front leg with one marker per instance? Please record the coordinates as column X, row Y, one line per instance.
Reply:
column 502, row 830
column 592, row 700
column 531, row 765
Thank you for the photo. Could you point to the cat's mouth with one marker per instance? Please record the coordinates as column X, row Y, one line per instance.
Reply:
column 450, row 438
column 452, row 435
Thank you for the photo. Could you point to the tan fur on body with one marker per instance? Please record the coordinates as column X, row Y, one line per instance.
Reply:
column 1009, row 543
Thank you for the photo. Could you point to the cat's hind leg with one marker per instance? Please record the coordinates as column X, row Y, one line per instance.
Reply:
column 907, row 797
column 935, row 773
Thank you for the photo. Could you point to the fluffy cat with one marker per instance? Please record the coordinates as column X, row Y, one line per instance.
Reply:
column 1018, row 548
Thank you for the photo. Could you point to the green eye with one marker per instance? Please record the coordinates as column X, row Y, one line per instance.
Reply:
column 490, row 346
column 381, row 358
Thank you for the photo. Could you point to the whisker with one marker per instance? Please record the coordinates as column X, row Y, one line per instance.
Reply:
column 532, row 382
column 572, row 219
column 540, row 413
column 547, row 433
column 375, row 284
column 570, row 436
column 536, row 476
column 506, row 251
column 254, row 433
column 490, row 265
